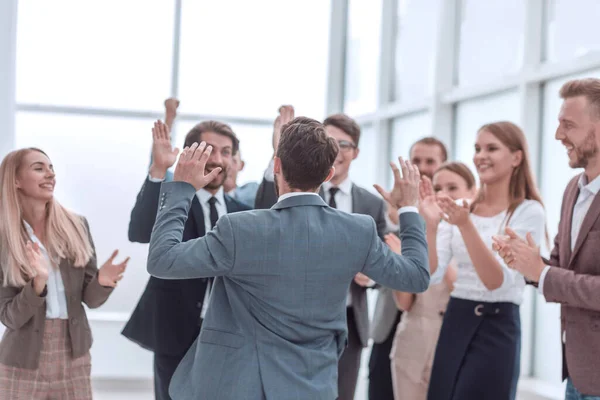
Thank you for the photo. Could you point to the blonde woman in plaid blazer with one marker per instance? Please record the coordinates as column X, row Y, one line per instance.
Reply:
column 47, row 269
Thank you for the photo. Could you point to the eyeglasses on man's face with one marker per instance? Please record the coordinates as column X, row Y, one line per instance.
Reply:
column 346, row 145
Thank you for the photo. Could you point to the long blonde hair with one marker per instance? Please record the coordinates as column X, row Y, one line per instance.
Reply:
column 66, row 233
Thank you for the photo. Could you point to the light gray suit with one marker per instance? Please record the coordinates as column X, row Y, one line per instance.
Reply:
column 276, row 323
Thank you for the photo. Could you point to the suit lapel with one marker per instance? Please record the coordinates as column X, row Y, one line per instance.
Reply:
column 590, row 217
column 568, row 217
column 198, row 215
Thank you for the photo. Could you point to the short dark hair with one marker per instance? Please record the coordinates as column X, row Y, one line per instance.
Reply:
column 431, row 141
column 306, row 153
column 212, row 126
column 346, row 124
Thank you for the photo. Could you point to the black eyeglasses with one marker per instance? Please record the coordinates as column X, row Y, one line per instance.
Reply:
column 345, row 145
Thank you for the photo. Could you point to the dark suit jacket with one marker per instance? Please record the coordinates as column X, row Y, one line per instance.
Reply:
column 266, row 197
column 574, row 282
column 363, row 202
column 167, row 317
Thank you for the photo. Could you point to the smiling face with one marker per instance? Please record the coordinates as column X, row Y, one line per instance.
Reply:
column 348, row 153
column 493, row 159
column 452, row 184
column 427, row 157
column 578, row 132
column 221, row 156
column 35, row 177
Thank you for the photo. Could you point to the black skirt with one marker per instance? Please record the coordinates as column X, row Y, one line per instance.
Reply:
column 478, row 352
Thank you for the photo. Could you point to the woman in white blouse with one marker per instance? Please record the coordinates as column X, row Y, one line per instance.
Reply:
column 478, row 352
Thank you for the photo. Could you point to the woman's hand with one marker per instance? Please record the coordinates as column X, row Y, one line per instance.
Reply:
column 109, row 274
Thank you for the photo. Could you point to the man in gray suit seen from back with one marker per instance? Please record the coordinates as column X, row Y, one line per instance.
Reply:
column 276, row 323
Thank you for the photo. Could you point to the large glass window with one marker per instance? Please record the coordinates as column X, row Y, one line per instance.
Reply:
column 364, row 170
column 418, row 22
column 100, row 165
column 406, row 131
column 239, row 60
column 362, row 56
column 571, row 29
column 491, row 40
column 472, row 114
column 108, row 54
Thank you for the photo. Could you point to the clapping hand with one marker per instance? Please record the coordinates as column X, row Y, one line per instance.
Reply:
column 109, row 274
column 428, row 205
column 518, row 254
column 453, row 213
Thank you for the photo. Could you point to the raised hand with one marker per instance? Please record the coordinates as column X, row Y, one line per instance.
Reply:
column 428, row 206
column 191, row 166
column 406, row 186
column 393, row 243
column 286, row 115
column 163, row 155
column 171, row 105
column 453, row 213
column 109, row 274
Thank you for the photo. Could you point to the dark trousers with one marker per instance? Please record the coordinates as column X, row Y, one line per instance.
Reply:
column 478, row 352
column 164, row 367
column 380, row 373
column 349, row 363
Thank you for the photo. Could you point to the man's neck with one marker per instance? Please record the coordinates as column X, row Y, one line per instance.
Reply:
column 338, row 180
column 212, row 191
column 592, row 170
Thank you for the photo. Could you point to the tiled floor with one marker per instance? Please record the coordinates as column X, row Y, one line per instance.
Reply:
column 116, row 390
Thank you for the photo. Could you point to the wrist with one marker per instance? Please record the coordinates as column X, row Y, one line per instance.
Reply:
column 157, row 172
column 464, row 225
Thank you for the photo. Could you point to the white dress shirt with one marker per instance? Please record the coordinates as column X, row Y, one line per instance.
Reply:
column 529, row 216
column 587, row 192
column 56, row 300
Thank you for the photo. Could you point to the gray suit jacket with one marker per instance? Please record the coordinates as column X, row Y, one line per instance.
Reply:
column 276, row 322
column 366, row 203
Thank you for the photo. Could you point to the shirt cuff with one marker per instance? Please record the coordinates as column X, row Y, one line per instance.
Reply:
column 269, row 175
column 542, row 277
column 402, row 210
column 151, row 179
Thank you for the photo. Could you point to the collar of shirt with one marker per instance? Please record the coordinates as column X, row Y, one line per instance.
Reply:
column 204, row 195
column 292, row 194
column 589, row 188
column 345, row 187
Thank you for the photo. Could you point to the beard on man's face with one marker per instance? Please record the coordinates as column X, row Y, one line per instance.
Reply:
column 584, row 152
column 220, row 179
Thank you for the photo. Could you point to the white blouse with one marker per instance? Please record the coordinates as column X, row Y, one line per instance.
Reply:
column 529, row 216
column 56, row 299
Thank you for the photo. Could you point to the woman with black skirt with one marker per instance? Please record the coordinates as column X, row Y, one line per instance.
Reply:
column 478, row 352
